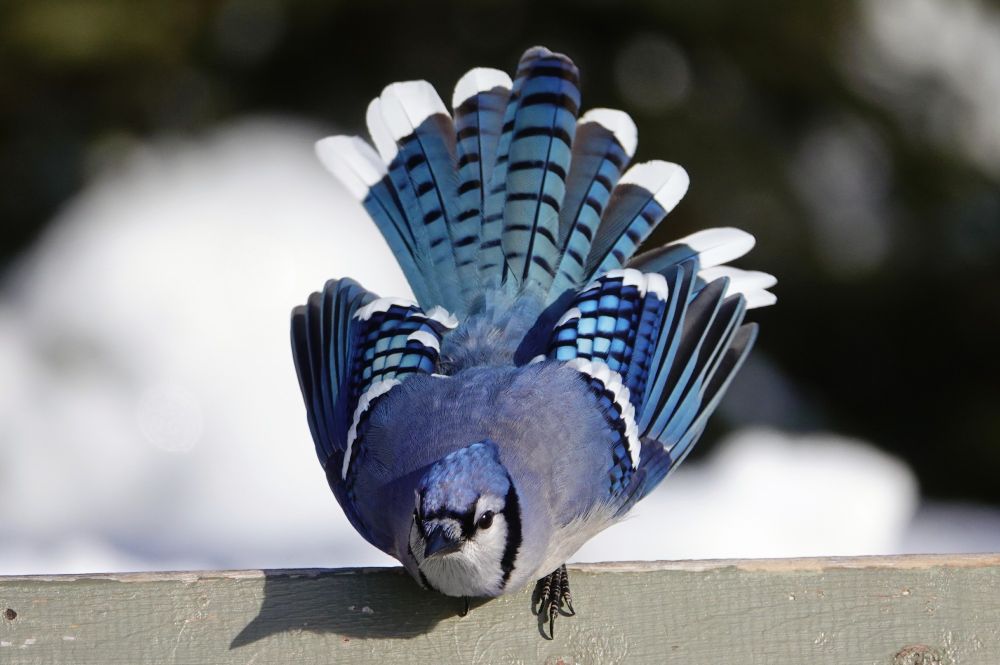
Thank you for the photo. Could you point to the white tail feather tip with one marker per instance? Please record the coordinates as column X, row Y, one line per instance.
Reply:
column 352, row 161
column 406, row 105
column 475, row 81
column 379, row 131
column 619, row 123
column 759, row 298
column 668, row 182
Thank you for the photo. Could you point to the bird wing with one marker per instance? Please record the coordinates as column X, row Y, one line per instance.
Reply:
column 350, row 349
column 657, row 351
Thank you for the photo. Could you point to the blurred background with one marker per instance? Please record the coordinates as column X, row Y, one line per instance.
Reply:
column 162, row 211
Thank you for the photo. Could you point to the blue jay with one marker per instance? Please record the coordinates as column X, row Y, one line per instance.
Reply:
column 546, row 378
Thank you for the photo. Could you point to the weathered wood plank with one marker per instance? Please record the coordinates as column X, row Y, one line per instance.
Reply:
column 878, row 610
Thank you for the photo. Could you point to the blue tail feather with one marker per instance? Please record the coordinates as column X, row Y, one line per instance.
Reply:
column 546, row 98
column 493, row 267
column 480, row 102
column 599, row 157
column 423, row 172
column 644, row 196
column 356, row 165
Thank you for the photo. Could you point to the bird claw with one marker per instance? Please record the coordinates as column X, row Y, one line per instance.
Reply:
column 552, row 597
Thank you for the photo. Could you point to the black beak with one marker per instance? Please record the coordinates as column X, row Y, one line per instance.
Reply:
column 438, row 542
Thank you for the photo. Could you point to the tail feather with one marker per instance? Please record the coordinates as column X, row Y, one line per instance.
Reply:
column 605, row 142
column 423, row 171
column 359, row 168
column 397, row 183
column 546, row 99
column 644, row 196
column 493, row 267
column 479, row 103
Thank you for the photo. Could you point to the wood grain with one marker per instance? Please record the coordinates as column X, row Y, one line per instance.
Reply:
column 880, row 610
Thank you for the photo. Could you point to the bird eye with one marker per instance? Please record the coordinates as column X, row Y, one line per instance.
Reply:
column 486, row 520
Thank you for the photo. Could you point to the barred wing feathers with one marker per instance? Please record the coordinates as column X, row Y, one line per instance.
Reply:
column 350, row 349
column 658, row 354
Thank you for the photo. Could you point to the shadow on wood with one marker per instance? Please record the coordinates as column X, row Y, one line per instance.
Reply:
column 369, row 603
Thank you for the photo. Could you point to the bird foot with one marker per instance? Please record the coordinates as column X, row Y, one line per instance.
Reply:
column 552, row 598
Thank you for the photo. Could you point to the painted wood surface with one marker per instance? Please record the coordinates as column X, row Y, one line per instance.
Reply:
column 920, row 610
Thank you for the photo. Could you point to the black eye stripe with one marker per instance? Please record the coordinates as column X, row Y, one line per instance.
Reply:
column 419, row 523
column 466, row 521
column 512, row 513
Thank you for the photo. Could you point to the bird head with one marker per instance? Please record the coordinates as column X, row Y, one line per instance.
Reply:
column 466, row 523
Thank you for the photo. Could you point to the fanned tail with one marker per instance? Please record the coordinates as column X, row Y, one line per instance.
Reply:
column 514, row 195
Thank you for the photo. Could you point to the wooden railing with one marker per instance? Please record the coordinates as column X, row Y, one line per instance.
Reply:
column 910, row 610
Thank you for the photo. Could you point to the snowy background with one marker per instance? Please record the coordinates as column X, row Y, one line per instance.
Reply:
column 149, row 411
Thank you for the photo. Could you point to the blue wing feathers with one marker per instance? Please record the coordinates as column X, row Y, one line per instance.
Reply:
column 697, row 321
column 675, row 350
column 713, row 344
column 321, row 349
column 668, row 341
column 723, row 373
column 350, row 348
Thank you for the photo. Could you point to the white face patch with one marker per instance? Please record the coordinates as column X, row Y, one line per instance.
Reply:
column 475, row 569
